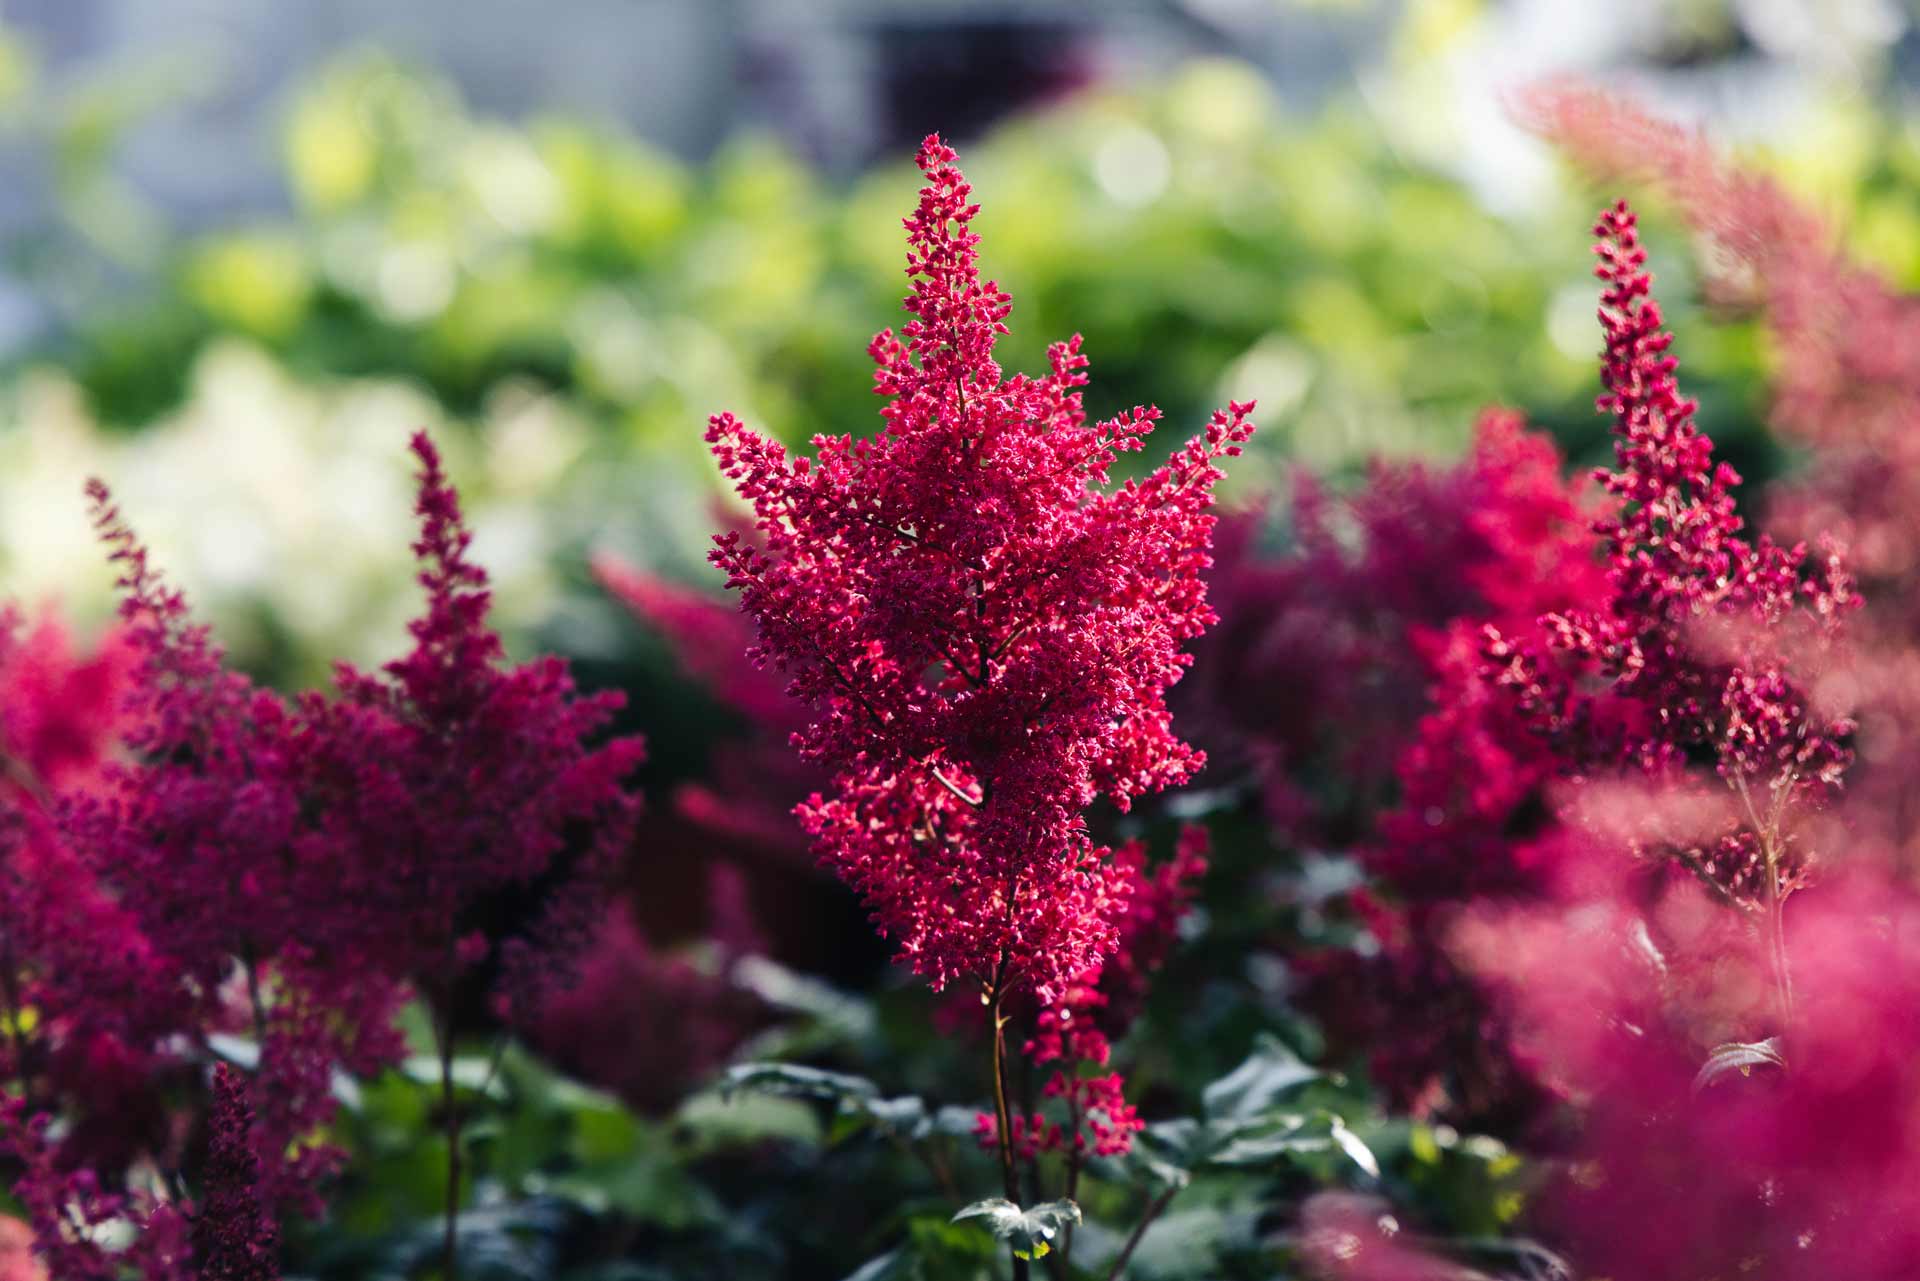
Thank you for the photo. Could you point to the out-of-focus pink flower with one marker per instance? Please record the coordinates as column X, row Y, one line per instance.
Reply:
column 18, row 1262
column 610, row 1023
column 1344, row 1237
column 234, row 1235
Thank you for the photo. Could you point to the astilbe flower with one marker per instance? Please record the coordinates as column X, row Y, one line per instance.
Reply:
column 463, row 790
column 982, row 624
column 605, row 1025
column 1806, row 1167
column 1074, row 1035
column 67, row 951
column 204, row 836
column 18, row 1262
column 1707, row 641
column 1346, row 1237
column 1349, row 670
column 89, row 1007
column 72, row 1210
column 739, row 809
column 234, row 1235
column 1845, row 382
column 284, row 870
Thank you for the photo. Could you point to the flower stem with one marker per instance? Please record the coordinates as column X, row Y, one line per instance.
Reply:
column 1003, row 1121
column 449, row 1245
column 1158, row 1204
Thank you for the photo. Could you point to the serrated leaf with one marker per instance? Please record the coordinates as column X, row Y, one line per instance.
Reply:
column 796, row 1081
column 1741, row 1057
column 1029, row 1232
column 1270, row 1073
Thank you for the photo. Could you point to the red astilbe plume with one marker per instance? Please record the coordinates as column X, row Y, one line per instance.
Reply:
column 474, row 814
column 91, row 1010
column 1798, row 1167
column 605, row 1025
column 745, row 797
column 234, row 1235
column 204, row 836
column 1846, row 381
column 1709, row 640
column 1348, row 672
column 983, row 625
column 75, row 1214
column 1317, row 672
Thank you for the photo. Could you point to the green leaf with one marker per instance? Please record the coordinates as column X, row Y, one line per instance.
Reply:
column 1029, row 1232
column 1171, row 1151
column 1357, row 1152
column 1740, row 1056
column 885, row 1267
column 1270, row 1073
column 471, row 1072
column 796, row 1081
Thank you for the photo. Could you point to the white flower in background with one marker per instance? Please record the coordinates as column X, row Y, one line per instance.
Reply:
column 283, row 508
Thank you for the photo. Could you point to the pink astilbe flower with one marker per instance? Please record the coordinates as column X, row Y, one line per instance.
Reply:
column 984, row 627
column 1346, row 1237
column 1804, row 1167
column 461, row 787
column 1846, row 382
column 18, row 1262
column 234, row 1235
column 1708, row 640
column 605, row 1025
column 205, row 838
column 72, row 1210
column 1352, row 666
column 1317, row 672
column 60, row 714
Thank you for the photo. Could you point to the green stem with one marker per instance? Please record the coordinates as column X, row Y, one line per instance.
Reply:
column 1009, row 1177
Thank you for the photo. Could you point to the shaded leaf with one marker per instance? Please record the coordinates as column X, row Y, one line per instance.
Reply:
column 1270, row 1073
column 1029, row 1232
column 796, row 1081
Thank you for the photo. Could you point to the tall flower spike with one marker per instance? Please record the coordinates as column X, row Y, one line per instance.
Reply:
column 465, row 791
column 982, row 624
column 234, row 1235
column 1708, row 640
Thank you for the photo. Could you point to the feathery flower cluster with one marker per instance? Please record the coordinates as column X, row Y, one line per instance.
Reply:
column 458, row 785
column 234, row 1235
column 1707, row 638
column 1351, row 666
column 606, row 1025
column 202, row 837
column 1317, row 672
column 1699, row 652
column 984, row 627
column 1802, row 1171
column 185, row 856
column 1847, row 384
